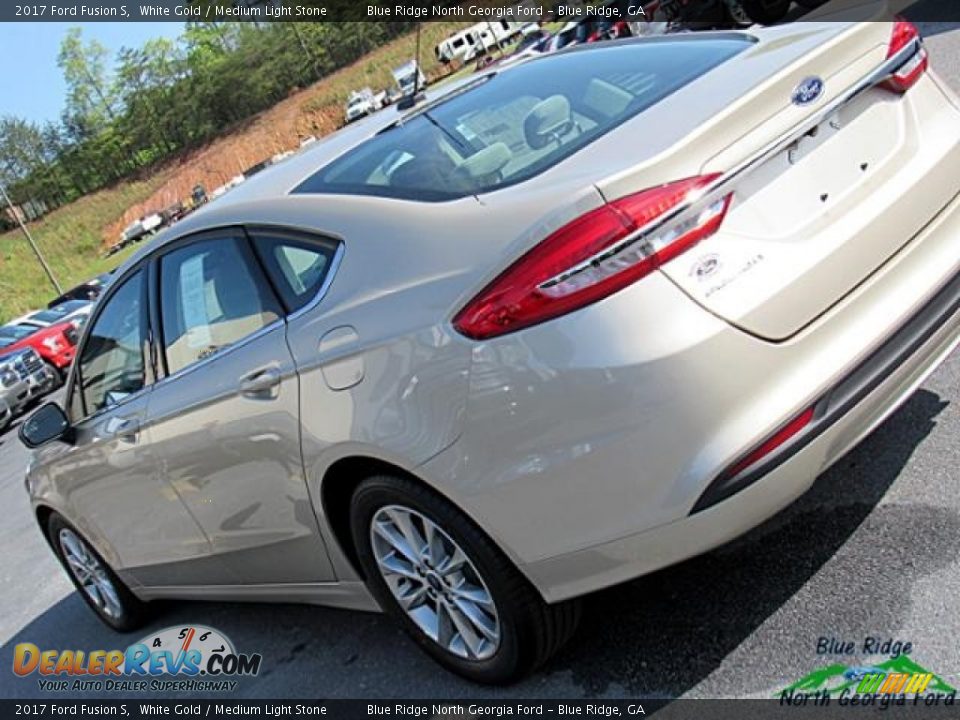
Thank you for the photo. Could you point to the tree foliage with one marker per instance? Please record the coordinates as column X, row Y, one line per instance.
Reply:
column 151, row 102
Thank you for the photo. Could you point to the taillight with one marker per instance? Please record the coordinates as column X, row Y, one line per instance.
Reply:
column 904, row 34
column 587, row 259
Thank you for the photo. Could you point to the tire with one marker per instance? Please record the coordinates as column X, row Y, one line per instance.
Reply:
column 528, row 631
column 810, row 4
column 766, row 12
column 122, row 612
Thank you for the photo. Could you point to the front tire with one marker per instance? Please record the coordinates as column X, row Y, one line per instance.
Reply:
column 450, row 587
column 766, row 12
column 105, row 593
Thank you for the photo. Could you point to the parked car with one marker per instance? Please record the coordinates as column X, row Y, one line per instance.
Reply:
column 140, row 229
column 54, row 344
column 361, row 103
column 593, row 315
column 23, row 379
column 90, row 290
column 74, row 312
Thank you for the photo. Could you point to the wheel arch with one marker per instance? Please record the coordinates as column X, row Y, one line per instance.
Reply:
column 343, row 477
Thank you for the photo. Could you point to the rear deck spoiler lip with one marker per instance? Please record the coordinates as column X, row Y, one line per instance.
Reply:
column 723, row 184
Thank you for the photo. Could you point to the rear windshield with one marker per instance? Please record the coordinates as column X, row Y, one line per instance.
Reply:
column 521, row 122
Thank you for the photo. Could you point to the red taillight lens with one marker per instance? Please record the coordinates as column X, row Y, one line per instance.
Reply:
column 905, row 33
column 582, row 262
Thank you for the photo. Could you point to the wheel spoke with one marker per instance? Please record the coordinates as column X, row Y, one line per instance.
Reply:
column 473, row 594
column 415, row 596
column 453, row 563
column 435, row 582
column 399, row 565
column 389, row 532
column 90, row 574
column 404, row 523
column 433, row 543
column 80, row 571
column 446, row 630
column 478, row 619
column 111, row 601
column 465, row 629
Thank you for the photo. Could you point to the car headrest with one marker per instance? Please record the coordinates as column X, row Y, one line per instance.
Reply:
column 486, row 162
column 547, row 121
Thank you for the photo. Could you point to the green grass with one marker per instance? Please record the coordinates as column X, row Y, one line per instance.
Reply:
column 71, row 239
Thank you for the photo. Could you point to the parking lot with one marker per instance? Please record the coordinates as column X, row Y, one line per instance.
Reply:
column 871, row 551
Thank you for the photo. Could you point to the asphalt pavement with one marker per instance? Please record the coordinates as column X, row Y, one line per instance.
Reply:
column 872, row 551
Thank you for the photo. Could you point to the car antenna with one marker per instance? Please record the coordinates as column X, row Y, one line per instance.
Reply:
column 408, row 102
column 416, row 60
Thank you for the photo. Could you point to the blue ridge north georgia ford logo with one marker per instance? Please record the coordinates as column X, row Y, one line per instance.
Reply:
column 808, row 91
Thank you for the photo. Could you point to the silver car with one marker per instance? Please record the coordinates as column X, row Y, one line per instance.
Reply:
column 23, row 379
column 557, row 328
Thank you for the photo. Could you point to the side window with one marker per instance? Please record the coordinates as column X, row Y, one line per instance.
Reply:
column 297, row 265
column 212, row 295
column 111, row 364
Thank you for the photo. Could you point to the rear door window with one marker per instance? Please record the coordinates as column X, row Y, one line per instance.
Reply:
column 212, row 296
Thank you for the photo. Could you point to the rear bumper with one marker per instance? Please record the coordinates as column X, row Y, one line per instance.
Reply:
column 832, row 407
column 587, row 442
column 771, row 488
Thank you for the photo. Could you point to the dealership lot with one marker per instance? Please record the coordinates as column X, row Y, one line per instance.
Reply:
column 870, row 552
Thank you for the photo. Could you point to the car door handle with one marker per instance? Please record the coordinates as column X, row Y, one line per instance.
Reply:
column 126, row 429
column 261, row 384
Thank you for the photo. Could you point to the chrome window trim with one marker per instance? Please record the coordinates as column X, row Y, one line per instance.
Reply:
column 712, row 192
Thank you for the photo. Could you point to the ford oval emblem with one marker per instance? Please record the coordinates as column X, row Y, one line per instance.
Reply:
column 808, row 91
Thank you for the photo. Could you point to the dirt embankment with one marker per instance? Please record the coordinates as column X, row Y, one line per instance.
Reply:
column 309, row 111
column 273, row 131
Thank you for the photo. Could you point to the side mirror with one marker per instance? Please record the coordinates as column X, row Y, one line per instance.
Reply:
column 47, row 424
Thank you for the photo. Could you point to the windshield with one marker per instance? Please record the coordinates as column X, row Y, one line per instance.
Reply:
column 58, row 312
column 10, row 334
column 519, row 123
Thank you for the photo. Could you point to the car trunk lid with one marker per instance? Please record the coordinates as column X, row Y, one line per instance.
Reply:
column 816, row 218
column 810, row 219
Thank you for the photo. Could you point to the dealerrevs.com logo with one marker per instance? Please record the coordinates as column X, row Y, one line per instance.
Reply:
column 191, row 658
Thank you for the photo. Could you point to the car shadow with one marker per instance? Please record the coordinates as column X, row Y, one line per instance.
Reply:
column 659, row 636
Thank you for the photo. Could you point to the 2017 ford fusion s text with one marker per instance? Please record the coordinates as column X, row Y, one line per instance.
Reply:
column 561, row 326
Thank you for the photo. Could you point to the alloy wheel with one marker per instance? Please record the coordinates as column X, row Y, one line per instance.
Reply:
column 435, row 583
column 90, row 574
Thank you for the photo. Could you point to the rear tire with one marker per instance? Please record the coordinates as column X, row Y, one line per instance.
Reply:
column 497, row 628
column 105, row 593
column 766, row 12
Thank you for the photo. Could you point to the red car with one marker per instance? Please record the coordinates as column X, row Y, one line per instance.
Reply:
column 56, row 344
